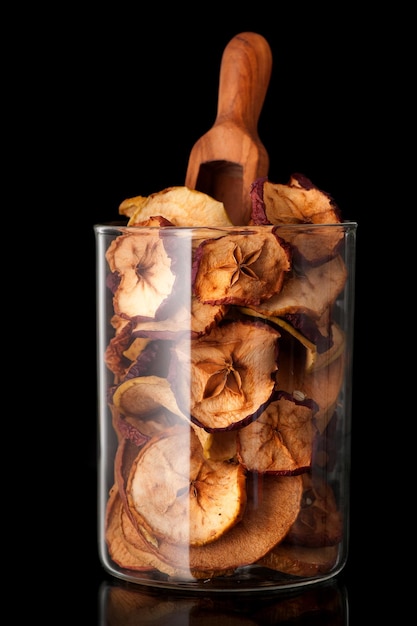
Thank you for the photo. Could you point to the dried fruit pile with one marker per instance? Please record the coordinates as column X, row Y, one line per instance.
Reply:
column 226, row 364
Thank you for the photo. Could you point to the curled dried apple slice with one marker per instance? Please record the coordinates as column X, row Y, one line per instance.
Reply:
column 143, row 394
column 125, row 545
column 143, row 268
column 313, row 293
column 280, row 440
column 298, row 202
column 180, row 205
column 178, row 495
column 240, row 268
column 226, row 378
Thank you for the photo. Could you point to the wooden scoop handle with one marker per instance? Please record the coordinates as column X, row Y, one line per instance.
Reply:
column 245, row 72
column 228, row 158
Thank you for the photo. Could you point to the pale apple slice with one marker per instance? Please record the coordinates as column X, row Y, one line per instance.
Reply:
column 143, row 394
column 143, row 268
column 225, row 379
column 240, row 268
column 126, row 547
column 280, row 441
column 176, row 494
column 180, row 205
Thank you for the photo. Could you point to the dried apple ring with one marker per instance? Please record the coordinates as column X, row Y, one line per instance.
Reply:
column 272, row 506
column 144, row 268
column 176, row 494
column 240, row 268
column 280, row 441
column 226, row 378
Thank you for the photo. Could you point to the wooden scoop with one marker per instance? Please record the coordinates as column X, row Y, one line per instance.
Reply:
column 227, row 159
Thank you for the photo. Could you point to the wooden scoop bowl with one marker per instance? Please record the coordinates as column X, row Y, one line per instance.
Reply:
column 227, row 159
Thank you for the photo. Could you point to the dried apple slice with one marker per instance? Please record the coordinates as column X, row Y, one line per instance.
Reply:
column 226, row 378
column 180, row 205
column 301, row 560
column 176, row 494
column 125, row 545
column 143, row 394
column 298, row 202
column 217, row 446
column 322, row 385
column 272, row 502
column 280, row 441
column 319, row 522
column 312, row 293
column 240, row 268
column 198, row 318
column 143, row 267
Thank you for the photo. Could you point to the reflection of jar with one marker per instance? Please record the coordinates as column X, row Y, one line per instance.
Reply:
column 224, row 358
column 121, row 604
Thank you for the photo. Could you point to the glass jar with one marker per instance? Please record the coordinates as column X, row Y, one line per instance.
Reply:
column 225, row 384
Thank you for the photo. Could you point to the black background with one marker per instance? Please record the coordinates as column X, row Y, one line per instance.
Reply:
column 118, row 100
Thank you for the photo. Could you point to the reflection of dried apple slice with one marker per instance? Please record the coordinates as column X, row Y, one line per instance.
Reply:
column 300, row 560
column 178, row 495
column 180, row 205
column 224, row 379
column 280, row 440
column 144, row 269
column 319, row 522
column 240, row 268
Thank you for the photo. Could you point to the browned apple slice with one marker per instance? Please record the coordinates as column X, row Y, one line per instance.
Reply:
column 143, row 267
column 319, row 522
column 280, row 440
column 299, row 202
column 300, row 560
column 176, row 494
column 312, row 293
column 321, row 385
column 240, row 268
column 226, row 378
